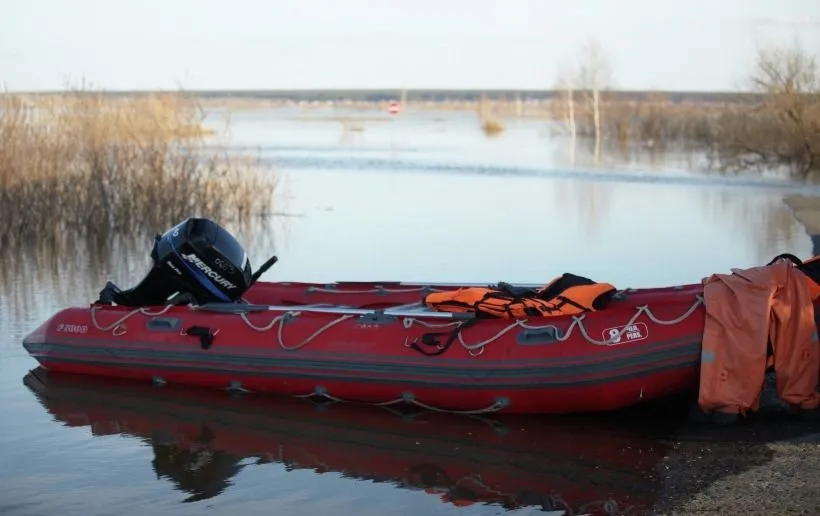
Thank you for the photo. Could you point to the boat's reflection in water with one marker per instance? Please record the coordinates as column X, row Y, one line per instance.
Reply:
column 201, row 440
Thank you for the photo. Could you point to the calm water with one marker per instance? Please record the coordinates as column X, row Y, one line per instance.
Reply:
column 426, row 197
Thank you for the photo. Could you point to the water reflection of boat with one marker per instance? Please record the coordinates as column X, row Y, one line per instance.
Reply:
column 201, row 439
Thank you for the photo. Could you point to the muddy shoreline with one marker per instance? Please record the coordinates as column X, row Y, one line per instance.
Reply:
column 764, row 466
column 807, row 211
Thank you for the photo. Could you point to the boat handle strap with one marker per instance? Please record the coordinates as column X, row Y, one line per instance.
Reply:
column 206, row 338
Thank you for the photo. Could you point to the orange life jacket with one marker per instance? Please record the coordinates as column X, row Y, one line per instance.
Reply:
column 564, row 295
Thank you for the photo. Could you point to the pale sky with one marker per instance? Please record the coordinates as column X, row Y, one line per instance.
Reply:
column 272, row 44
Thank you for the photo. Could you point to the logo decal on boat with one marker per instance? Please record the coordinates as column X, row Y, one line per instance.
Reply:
column 72, row 328
column 632, row 333
column 208, row 271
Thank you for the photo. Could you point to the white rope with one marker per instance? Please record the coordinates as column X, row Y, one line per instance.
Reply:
column 280, row 319
column 494, row 407
column 113, row 327
column 270, row 325
column 577, row 321
column 408, row 322
column 313, row 335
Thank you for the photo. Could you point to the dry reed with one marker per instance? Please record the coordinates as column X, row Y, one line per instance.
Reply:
column 91, row 164
column 490, row 124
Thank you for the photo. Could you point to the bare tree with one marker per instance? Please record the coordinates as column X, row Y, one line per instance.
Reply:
column 579, row 94
column 594, row 75
column 784, row 127
column 565, row 83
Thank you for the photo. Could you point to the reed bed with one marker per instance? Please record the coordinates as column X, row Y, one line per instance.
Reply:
column 91, row 164
column 774, row 133
column 489, row 123
column 773, row 126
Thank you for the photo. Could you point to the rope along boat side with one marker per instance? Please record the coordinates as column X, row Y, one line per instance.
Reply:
column 198, row 319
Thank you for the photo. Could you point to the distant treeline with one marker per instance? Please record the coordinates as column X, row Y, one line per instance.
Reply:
column 437, row 95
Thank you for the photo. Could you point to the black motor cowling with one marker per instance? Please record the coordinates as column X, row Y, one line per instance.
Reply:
column 197, row 261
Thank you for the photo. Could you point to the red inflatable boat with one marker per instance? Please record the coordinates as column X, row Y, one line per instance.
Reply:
column 199, row 441
column 200, row 318
column 645, row 344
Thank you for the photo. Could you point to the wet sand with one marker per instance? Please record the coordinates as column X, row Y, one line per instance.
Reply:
column 774, row 478
column 762, row 467
column 768, row 466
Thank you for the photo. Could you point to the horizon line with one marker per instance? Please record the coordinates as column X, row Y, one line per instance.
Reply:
column 337, row 90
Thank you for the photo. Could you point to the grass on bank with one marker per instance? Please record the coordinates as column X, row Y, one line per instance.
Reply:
column 86, row 163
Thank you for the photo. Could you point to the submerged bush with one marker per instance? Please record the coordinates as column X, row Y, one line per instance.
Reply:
column 92, row 164
column 774, row 125
column 783, row 129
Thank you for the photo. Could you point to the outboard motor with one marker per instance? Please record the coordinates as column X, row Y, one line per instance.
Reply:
column 197, row 261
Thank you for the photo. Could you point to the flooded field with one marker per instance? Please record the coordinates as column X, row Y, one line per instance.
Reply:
column 424, row 196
